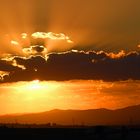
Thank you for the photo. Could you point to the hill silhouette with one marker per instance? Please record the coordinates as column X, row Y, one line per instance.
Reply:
column 125, row 116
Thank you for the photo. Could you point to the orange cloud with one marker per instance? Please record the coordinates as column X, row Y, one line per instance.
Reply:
column 117, row 55
column 51, row 35
column 24, row 43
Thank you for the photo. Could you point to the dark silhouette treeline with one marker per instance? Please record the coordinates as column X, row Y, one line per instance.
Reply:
column 47, row 125
column 69, row 132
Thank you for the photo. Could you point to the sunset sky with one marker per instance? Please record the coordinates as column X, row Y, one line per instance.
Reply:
column 69, row 54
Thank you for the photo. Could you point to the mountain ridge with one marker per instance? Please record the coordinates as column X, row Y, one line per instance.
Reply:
column 126, row 116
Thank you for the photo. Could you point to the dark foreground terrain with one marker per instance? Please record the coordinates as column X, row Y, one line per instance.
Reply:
column 73, row 133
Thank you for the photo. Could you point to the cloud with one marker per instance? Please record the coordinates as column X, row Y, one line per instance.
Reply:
column 34, row 50
column 74, row 65
column 8, row 66
column 15, row 43
column 51, row 35
column 36, row 43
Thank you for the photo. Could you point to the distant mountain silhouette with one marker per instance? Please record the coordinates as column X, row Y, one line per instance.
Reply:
column 129, row 115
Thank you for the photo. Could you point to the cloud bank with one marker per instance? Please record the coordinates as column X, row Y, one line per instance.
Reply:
column 73, row 65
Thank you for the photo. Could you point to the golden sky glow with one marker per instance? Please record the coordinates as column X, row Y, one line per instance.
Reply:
column 91, row 49
column 39, row 96
column 90, row 22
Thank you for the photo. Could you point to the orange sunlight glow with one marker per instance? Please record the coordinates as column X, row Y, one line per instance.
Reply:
column 38, row 96
column 35, row 86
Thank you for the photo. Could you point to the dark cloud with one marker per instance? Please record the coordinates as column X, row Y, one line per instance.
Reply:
column 8, row 66
column 76, row 65
column 38, row 49
column 34, row 50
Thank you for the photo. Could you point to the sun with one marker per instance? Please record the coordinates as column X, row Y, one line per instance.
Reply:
column 34, row 85
column 36, row 81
